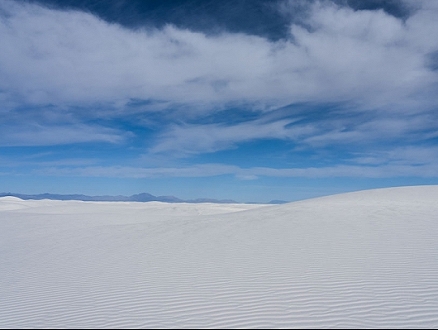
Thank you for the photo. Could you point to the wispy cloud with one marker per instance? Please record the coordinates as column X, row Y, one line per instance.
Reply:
column 338, row 128
column 40, row 135
column 344, row 92
column 194, row 139
column 209, row 170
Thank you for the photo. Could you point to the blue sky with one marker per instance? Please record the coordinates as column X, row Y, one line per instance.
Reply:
column 248, row 100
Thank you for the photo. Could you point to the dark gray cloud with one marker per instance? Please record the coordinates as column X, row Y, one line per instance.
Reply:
column 432, row 60
column 396, row 8
column 209, row 16
column 263, row 18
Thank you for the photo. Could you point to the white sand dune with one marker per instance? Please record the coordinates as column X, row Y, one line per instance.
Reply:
column 365, row 259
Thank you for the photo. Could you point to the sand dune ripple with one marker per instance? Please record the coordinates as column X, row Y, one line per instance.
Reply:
column 365, row 259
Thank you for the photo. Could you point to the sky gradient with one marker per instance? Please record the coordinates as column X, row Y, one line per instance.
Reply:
column 244, row 100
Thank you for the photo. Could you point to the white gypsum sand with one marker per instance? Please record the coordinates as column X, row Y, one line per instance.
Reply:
column 364, row 259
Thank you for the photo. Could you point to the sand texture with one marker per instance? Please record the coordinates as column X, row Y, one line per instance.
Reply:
column 364, row 259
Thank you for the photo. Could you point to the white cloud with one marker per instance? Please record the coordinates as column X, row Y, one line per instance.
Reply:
column 69, row 57
column 367, row 59
column 332, row 130
column 366, row 56
column 203, row 170
column 404, row 129
column 192, row 139
column 209, row 170
column 407, row 155
column 38, row 135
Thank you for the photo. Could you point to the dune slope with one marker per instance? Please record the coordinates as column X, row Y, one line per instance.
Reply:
column 364, row 259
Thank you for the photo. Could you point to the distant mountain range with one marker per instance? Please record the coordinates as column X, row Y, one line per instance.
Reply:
column 143, row 197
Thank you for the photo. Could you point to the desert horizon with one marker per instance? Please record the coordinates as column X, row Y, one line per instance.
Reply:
column 361, row 259
column 218, row 164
